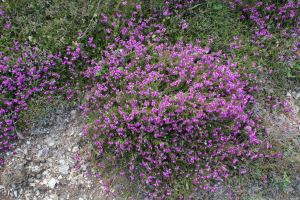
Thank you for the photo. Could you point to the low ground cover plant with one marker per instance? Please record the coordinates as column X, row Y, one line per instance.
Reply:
column 167, row 100
column 23, row 74
column 166, row 112
column 27, row 73
column 275, row 32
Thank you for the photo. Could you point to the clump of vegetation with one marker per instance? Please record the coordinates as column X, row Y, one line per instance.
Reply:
column 52, row 25
column 166, row 112
column 168, row 86
column 27, row 73
column 24, row 74
column 275, row 36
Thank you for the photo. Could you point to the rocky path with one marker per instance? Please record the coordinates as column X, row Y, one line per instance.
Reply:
column 44, row 165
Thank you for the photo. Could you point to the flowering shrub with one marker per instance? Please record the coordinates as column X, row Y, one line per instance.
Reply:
column 27, row 72
column 168, row 112
column 5, row 22
column 276, row 27
column 269, row 16
column 5, row 27
column 23, row 74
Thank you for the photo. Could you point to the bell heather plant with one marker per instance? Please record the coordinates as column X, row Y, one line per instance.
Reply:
column 26, row 73
column 167, row 112
column 23, row 74
column 276, row 28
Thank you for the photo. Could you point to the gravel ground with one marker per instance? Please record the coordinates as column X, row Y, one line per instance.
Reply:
column 44, row 166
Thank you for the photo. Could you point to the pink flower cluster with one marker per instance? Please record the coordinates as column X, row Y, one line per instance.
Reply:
column 26, row 72
column 23, row 73
column 165, row 111
column 271, row 18
column 4, row 20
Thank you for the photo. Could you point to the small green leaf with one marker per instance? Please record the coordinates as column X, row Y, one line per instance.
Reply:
column 289, row 74
column 217, row 6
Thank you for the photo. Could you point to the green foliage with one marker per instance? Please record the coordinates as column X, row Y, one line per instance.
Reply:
column 294, row 71
column 283, row 182
column 52, row 24
column 215, row 25
column 207, row 20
